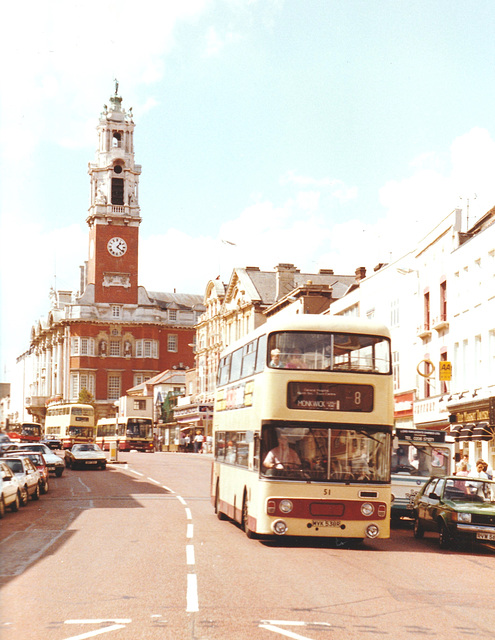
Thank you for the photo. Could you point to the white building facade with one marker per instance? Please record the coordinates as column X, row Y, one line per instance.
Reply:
column 439, row 302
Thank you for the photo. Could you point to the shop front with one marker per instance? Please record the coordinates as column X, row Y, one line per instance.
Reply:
column 473, row 426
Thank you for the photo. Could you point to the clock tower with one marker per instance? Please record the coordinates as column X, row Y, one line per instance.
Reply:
column 114, row 214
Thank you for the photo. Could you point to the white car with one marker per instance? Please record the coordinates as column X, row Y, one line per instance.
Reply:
column 10, row 490
column 54, row 463
column 28, row 476
column 85, row 455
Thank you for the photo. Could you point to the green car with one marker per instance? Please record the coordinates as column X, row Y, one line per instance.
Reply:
column 461, row 509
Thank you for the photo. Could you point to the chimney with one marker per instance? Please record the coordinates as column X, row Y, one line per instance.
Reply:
column 360, row 273
column 284, row 279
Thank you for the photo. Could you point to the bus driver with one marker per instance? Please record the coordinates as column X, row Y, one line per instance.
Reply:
column 282, row 456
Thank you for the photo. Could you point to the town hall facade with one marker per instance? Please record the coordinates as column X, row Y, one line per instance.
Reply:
column 113, row 334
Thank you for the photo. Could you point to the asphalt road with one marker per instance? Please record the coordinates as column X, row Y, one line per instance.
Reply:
column 136, row 552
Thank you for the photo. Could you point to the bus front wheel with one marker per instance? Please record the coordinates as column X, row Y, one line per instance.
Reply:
column 245, row 526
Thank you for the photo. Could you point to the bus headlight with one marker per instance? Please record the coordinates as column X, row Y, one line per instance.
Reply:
column 279, row 527
column 367, row 509
column 372, row 530
column 285, row 506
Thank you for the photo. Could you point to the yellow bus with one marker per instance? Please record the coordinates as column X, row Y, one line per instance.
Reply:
column 302, row 429
column 131, row 432
column 71, row 422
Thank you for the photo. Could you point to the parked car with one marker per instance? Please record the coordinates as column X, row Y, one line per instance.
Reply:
column 39, row 462
column 27, row 475
column 459, row 508
column 10, row 490
column 85, row 455
column 6, row 443
column 52, row 442
column 54, row 463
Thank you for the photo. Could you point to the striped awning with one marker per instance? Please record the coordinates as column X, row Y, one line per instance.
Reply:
column 482, row 431
column 466, row 433
column 455, row 431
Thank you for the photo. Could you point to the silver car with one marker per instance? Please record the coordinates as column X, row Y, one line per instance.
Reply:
column 54, row 463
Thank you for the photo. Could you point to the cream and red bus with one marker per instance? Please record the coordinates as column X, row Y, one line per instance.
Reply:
column 127, row 434
column 302, row 429
column 70, row 422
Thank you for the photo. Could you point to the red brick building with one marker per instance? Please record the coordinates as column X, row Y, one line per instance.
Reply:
column 113, row 334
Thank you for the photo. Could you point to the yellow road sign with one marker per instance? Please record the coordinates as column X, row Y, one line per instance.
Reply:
column 445, row 370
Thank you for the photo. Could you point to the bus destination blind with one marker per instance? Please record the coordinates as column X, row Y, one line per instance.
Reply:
column 321, row 396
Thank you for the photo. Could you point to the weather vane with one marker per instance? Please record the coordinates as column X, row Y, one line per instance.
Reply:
column 116, row 86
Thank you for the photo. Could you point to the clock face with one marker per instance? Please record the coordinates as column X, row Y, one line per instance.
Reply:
column 117, row 246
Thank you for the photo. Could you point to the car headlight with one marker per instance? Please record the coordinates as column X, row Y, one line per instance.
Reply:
column 463, row 517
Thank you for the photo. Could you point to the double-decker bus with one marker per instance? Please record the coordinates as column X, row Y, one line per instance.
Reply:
column 71, row 422
column 25, row 432
column 302, row 429
column 128, row 433
column 417, row 454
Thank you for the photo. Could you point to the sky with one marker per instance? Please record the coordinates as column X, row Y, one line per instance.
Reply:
column 325, row 133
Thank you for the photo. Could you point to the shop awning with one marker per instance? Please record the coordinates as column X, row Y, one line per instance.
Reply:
column 455, row 431
column 482, row 431
column 466, row 433
column 188, row 420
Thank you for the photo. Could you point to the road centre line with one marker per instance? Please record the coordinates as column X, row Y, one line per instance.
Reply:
column 137, row 473
column 192, row 593
column 181, row 500
column 190, row 531
column 188, row 513
column 190, row 554
column 167, row 489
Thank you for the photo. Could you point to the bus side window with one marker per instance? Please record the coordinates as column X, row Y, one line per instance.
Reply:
column 249, row 359
column 235, row 368
column 261, row 354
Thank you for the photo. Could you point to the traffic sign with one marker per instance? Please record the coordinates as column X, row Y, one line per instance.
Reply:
column 445, row 370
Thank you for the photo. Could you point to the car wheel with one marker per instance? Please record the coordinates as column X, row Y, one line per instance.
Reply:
column 15, row 505
column 2, row 507
column 245, row 526
column 36, row 493
column 59, row 472
column 444, row 540
column 418, row 530
column 24, row 496
column 103, row 466
column 44, row 487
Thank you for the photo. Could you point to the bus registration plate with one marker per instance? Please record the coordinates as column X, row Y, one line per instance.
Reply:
column 326, row 523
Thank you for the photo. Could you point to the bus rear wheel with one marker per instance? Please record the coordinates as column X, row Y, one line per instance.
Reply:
column 220, row 515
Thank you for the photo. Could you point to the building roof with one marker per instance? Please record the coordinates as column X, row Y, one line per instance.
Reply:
column 177, row 300
column 261, row 286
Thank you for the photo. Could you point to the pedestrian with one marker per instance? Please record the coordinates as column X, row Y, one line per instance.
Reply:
column 198, row 442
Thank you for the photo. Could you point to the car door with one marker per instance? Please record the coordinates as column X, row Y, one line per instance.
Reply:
column 32, row 475
column 427, row 503
column 436, row 504
column 9, row 484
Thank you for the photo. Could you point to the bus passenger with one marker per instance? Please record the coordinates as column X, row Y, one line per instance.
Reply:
column 282, row 456
column 295, row 360
column 275, row 361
